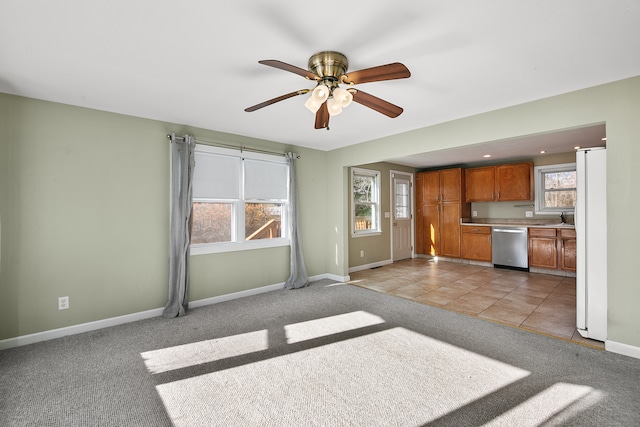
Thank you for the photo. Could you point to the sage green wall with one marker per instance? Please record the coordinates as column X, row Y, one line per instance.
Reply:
column 617, row 104
column 84, row 202
column 84, row 213
column 376, row 248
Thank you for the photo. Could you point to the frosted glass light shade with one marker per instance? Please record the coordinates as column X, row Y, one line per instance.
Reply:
column 334, row 107
column 312, row 105
column 320, row 93
column 342, row 96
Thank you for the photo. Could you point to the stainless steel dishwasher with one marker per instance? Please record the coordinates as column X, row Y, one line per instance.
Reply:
column 510, row 247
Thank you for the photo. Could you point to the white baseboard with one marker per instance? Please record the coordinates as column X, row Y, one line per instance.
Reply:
column 156, row 312
column 624, row 349
column 369, row 266
column 235, row 295
column 341, row 279
column 78, row 329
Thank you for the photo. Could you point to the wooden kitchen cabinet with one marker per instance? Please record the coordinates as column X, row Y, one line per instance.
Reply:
column 439, row 208
column 543, row 251
column 567, row 244
column 514, row 182
column 480, row 184
column 450, row 230
column 476, row 243
column 451, row 185
column 428, row 188
column 552, row 248
column 509, row 182
column 428, row 229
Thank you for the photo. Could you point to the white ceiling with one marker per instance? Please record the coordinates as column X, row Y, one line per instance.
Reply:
column 517, row 148
column 195, row 62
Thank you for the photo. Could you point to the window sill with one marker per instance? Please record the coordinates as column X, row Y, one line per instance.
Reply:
column 214, row 248
column 568, row 211
column 369, row 234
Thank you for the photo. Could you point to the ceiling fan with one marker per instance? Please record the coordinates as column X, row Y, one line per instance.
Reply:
column 329, row 70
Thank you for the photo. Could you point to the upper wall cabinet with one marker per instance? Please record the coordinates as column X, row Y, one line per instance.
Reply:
column 480, row 184
column 510, row 182
column 514, row 182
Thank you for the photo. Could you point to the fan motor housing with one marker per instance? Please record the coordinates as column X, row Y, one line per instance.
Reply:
column 328, row 64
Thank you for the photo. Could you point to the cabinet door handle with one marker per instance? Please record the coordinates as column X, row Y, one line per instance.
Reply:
column 492, row 194
column 489, row 239
column 437, row 197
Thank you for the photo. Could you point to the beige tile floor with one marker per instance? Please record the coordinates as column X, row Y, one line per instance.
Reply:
column 540, row 303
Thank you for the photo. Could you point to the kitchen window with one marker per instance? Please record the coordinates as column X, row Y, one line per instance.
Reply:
column 365, row 202
column 556, row 188
column 239, row 201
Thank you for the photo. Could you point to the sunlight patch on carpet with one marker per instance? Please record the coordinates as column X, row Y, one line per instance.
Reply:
column 183, row 356
column 326, row 326
column 392, row 377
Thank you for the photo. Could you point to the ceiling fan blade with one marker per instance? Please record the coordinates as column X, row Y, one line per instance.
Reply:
column 291, row 68
column 392, row 71
column 375, row 103
column 322, row 117
column 274, row 100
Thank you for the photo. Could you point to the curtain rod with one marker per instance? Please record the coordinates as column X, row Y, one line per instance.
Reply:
column 233, row 147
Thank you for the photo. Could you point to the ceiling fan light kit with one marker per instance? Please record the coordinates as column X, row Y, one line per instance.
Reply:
column 342, row 96
column 334, row 107
column 329, row 70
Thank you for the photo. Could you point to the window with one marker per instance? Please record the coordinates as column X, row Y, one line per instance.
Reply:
column 365, row 202
column 556, row 188
column 402, row 198
column 239, row 200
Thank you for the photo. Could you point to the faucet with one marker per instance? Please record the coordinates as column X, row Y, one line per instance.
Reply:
column 562, row 218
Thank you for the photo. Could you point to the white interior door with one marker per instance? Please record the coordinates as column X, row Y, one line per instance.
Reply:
column 401, row 237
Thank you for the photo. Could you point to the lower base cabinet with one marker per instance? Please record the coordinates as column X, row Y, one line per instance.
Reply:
column 552, row 248
column 543, row 252
column 476, row 243
column 567, row 243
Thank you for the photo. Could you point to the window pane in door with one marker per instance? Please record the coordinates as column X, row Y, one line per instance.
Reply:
column 402, row 200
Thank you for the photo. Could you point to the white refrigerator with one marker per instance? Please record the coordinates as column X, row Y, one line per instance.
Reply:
column 591, row 241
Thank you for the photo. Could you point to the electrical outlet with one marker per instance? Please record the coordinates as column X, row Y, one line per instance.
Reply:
column 361, row 254
column 528, row 214
column 474, row 213
column 63, row 303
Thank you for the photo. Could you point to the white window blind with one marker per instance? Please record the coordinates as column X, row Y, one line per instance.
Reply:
column 265, row 180
column 216, row 176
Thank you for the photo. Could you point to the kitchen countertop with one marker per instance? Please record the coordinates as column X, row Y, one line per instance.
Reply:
column 515, row 223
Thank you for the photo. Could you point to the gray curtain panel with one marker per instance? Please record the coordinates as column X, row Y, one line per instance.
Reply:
column 298, row 277
column 181, row 190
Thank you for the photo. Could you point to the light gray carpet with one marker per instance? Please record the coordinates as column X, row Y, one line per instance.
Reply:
column 330, row 354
